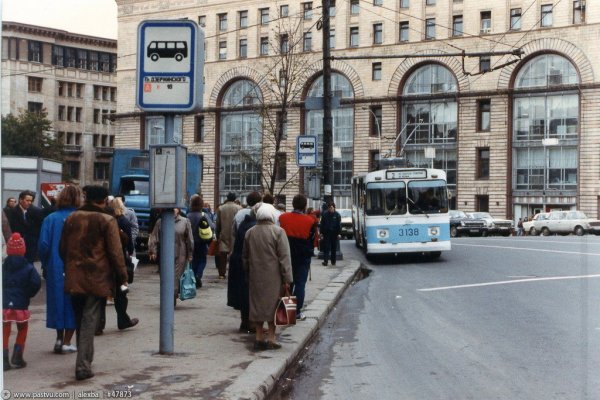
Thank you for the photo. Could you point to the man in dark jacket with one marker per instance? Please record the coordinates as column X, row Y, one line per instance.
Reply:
column 331, row 228
column 94, row 269
column 26, row 219
column 300, row 230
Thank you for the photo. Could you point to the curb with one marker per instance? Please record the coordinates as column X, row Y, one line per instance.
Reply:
column 296, row 338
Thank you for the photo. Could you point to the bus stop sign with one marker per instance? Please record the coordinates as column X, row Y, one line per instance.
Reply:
column 170, row 63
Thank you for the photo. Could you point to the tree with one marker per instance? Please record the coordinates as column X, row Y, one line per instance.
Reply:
column 284, row 78
column 29, row 135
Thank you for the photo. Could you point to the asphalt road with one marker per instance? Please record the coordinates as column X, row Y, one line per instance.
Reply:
column 495, row 318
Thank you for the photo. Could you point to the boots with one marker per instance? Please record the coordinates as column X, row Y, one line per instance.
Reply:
column 17, row 357
column 7, row 365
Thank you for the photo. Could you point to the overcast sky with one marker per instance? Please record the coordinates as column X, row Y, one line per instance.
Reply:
column 88, row 17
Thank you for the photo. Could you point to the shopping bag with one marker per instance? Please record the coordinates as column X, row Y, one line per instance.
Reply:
column 187, row 284
column 212, row 248
column 285, row 313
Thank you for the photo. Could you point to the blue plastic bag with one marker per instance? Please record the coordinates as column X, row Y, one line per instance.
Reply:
column 187, row 284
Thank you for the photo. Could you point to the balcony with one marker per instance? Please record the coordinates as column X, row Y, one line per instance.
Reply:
column 72, row 148
column 104, row 151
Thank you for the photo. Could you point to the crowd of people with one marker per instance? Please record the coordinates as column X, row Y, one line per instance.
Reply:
column 86, row 246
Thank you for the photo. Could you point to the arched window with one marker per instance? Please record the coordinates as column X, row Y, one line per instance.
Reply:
column 241, row 139
column 545, row 126
column 343, row 129
column 430, row 123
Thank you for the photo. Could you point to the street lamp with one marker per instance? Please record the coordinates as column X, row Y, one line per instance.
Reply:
column 378, row 127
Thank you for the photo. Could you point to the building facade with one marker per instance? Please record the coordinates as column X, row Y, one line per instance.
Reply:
column 501, row 95
column 73, row 78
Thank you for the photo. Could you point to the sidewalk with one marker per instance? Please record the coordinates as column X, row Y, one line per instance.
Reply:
column 212, row 359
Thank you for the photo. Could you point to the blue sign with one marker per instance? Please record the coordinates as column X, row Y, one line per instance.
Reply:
column 306, row 151
column 170, row 63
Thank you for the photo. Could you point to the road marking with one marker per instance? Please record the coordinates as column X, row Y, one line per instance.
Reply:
column 549, row 278
column 526, row 248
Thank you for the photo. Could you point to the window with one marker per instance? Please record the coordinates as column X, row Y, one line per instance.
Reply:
column 222, row 22
column 281, row 172
column 457, row 25
column 34, row 51
column 332, row 8
column 376, row 71
column 307, row 10
column 243, row 48
column 70, row 115
column 155, row 130
column 35, row 107
column 378, row 3
column 284, row 43
column 78, row 112
column 404, row 4
column 373, row 160
column 93, row 61
column 547, row 70
column 70, row 57
column 515, row 19
column 113, row 94
column 375, row 121
column 105, row 93
column 483, row 115
column 264, row 16
column 61, row 113
column 284, row 11
column 282, row 78
column 222, row 50
column 430, row 28
column 264, row 46
column 546, row 15
column 482, row 203
column 404, row 31
column 69, row 89
column 284, row 124
column 105, row 65
column 58, row 56
column 200, row 133
column 106, row 117
column 485, row 64
column 79, row 90
column 332, row 39
column 34, row 84
column 354, row 7
column 486, row 22
column 72, row 169
column 354, row 37
column 578, row 12
column 96, row 115
column 202, row 21
column 430, row 2
column 377, row 33
column 243, row 19
column 101, row 171
column 307, row 42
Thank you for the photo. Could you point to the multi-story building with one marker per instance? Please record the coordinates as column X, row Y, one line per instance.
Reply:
column 500, row 94
column 73, row 78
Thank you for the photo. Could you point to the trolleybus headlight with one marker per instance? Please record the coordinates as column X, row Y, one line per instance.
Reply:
column 383, row 233
column 434, row 231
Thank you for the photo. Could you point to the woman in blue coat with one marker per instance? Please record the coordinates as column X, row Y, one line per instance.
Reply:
column 59, row 310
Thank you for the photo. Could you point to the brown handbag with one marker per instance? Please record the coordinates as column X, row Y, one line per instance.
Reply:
column 285, row 313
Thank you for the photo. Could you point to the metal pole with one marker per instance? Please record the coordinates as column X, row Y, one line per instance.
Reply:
column 167, row 264
column 327, row 119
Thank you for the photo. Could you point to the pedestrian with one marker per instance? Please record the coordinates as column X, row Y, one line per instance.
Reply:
column 225, row 216
column 184, row 245
column 266, row 260
column 520, row 227
column 59, row 309
column 237, row 283
column 6, row 232
column 11, row 202
column 133, row 221
column 198, row 217
column 94, row 268
column 20, row 282
column 300, row 229
column 117, row 209
column 26, row 219
column 331, row 228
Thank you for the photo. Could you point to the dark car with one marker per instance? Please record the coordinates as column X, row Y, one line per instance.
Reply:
column 461, row 224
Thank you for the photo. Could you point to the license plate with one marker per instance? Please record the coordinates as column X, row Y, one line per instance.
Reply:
column 474, row 230
column 403, row 232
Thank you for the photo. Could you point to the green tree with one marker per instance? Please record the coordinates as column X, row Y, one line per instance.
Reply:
column 29, row 134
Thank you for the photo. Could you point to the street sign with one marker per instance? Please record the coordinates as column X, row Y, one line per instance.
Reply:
column 306, row 151
column 170, row 63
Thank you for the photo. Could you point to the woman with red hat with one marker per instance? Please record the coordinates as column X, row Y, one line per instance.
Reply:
column 20, row 282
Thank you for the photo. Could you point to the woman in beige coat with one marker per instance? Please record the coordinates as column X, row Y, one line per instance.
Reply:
column 184, row 245
column 266, row 260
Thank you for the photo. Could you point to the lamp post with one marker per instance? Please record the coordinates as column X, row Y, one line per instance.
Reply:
column 378, row 127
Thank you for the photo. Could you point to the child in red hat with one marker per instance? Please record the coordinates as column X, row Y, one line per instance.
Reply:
column 20, row 282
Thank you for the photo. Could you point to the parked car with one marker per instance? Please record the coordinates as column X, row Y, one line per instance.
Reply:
column 495, row 226
column 347, row 230
column 534, row 227
column 461, row 224
column 565, row 222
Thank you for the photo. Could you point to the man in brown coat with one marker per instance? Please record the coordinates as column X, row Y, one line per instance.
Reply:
column 225, row 216
column 94, row 268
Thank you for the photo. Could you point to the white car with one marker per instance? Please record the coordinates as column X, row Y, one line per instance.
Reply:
column 347, row 229
column 565, row 222
column 495, row 226
column 534, row 227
